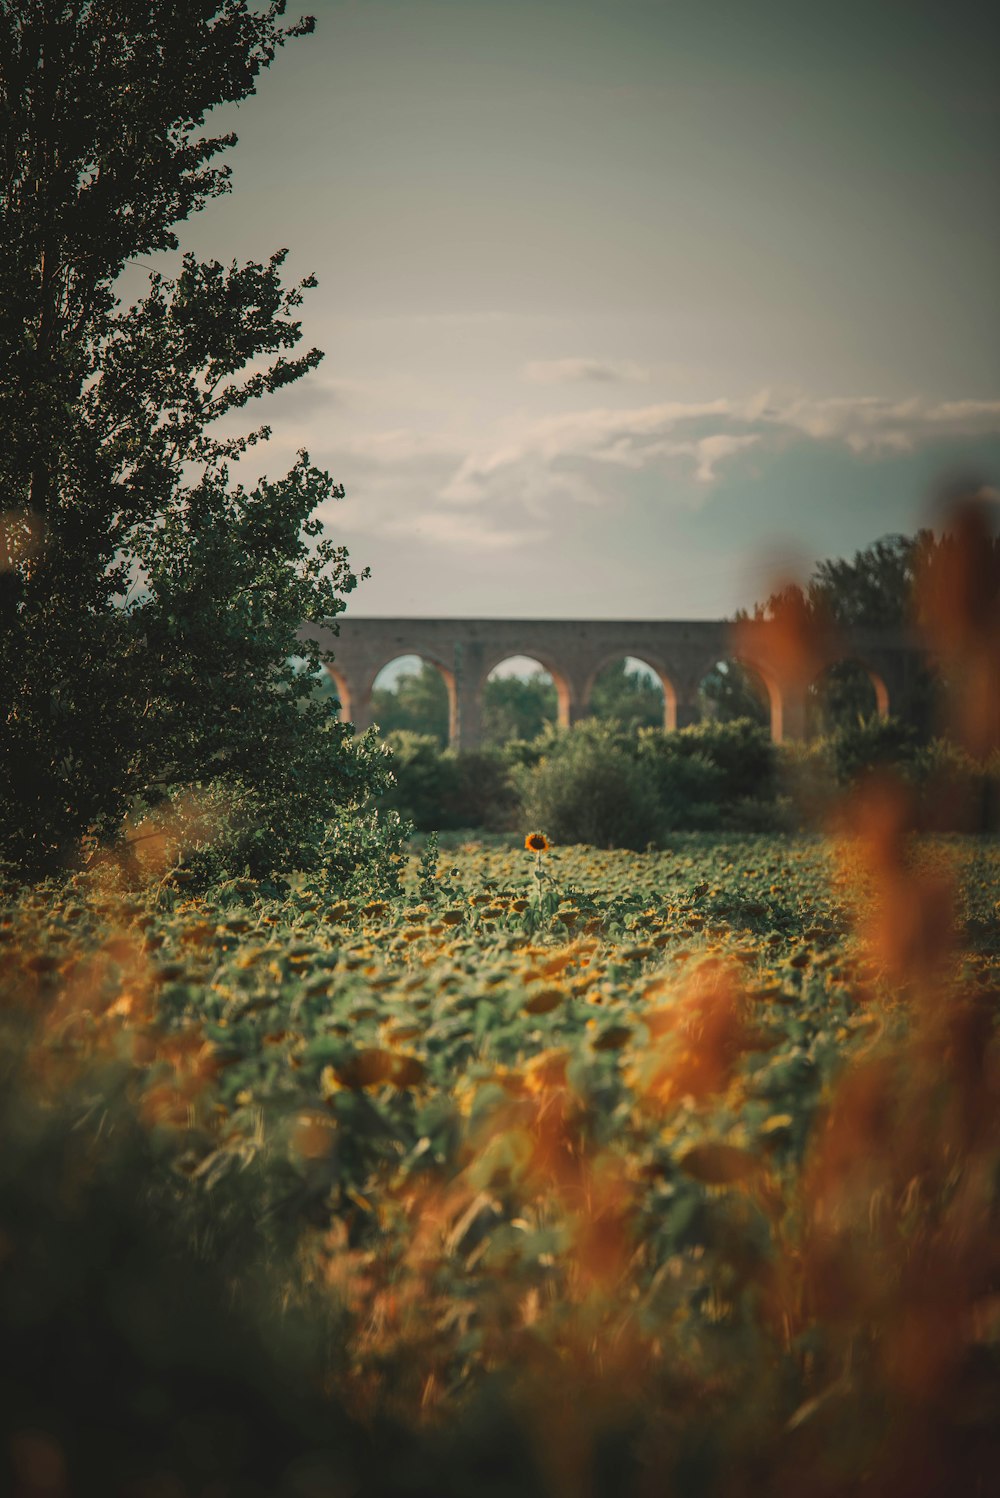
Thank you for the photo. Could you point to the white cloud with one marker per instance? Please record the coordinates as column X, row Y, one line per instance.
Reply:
column 871, row 424
column 707, row 434
column 397, row 445
column 624, row 438
column 712, row 450
column 486, row 492
column 470, row 531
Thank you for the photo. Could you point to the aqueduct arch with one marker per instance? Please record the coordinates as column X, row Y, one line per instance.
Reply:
column 361, row 695
column 766, row 679
column 878, row 685
column 567, row 708
column 658, row 670
column 573, row 651
column 343, row 691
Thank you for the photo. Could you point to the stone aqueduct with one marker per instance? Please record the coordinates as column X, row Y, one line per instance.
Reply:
column 574, row 652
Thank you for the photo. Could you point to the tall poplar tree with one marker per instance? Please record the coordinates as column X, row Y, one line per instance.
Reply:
column 148, row 604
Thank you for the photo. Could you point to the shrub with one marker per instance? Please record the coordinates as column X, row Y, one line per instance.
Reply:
column 741, row 750
column 527, row 752
column 596, row 783
column 879, row 743
column 806, row 775
column 687, row 785
column 603, row 785
column 956, row 793
column 952, row 791
column 482, row 793
column 423, row 774
column 587, row 788
column 779, row 815
column 440, row 790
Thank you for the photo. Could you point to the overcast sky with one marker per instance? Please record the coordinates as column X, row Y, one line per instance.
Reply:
column 625, row 304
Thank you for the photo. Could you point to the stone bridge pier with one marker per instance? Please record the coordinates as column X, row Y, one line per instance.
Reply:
column 574, row 652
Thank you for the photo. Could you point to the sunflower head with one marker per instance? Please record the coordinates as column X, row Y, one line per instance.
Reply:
column 536, row 842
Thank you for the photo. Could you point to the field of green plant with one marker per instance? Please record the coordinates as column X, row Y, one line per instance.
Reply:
column 688, row 1156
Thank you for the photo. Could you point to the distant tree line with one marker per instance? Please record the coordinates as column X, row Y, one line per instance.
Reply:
column 599, row 784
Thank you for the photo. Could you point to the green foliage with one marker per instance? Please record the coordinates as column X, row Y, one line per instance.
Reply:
column 948, row 790
column 740, row 750
column 525, row 753
column 877, row 744
column 516, row 708
column 876, row 589
column 362, row 853
column 322, row 685
column 427, row 868
column 711, row 775
column 153, row 1329
column 595, row 781
column 513, row 708
column 149, row 607
column 484, row 794
column 688, row 786
column 955, row 791
column 627, row 697
column 807, row 778
column 844, row 697
column 730, row 691
column 416, row 704
column 424, row 779
column 588, row 788
column 440, row 790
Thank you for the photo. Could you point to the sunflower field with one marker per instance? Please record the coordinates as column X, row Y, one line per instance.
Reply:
column 560, row 1172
